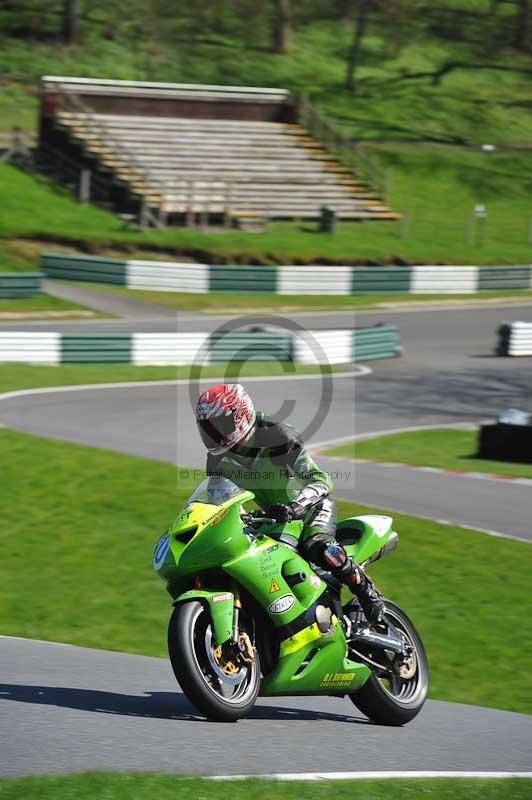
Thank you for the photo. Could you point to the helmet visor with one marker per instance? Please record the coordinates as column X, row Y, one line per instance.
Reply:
column 215, row 431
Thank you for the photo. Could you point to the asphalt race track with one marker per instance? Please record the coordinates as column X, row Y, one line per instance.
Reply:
column 68, row 709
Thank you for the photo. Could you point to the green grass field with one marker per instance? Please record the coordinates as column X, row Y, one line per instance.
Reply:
column 42, row 305
column 112, row 786
column 446, row 448
column 80, row 523
column 438, row 190
column 15, row 377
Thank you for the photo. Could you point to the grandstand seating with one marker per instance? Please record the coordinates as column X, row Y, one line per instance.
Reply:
column 193, row 156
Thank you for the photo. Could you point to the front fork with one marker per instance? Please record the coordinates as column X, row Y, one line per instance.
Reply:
column 237, row 605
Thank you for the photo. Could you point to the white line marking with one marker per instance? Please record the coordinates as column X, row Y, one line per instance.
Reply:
column 40, row 641
column 358, row 371
column 363, row 776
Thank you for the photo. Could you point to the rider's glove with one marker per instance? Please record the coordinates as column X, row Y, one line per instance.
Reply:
column 280, row 512
column 297, row 510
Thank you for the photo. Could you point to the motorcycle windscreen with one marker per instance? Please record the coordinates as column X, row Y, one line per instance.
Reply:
column 214, row 491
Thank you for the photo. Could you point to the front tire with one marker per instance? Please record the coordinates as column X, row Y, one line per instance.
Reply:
column 220, row 696
column 396, row 700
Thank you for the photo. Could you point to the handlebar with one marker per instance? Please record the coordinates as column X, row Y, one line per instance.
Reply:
column 255, row 517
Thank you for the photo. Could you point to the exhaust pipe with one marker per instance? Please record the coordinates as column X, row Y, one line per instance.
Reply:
column 390, row 545
column 386, row 642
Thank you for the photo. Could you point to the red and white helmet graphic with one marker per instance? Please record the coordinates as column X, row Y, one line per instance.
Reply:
column 225, row 415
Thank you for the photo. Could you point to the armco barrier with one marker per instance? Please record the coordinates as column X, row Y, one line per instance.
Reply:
column 310, row 347
column 168, row 276
column 510, row 277
column 380, row 341
column 20, row 284
column 313, row 280
column 28, row 347
column 84, row 268
column 444, row 280
column 167, row 348
column 237, row 346
column 307, row 347
column 374, row 280
column 243, row 279
column 103, row 348
column 515, row 339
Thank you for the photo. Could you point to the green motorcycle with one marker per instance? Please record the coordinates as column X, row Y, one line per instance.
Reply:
column 252, row 617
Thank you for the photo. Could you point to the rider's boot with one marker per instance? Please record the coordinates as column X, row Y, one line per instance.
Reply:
column 338, row 562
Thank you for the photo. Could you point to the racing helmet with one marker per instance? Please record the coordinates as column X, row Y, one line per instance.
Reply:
column 225, row 416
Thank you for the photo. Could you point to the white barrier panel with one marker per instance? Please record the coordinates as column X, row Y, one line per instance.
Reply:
column 444, row 280
column 314, row 280
column 310, row 347
column 167, row 348
column 520, row 343
column 167, row 276
column 29, row 347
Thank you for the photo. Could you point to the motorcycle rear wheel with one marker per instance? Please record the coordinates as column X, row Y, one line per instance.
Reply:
column 396, row 700
column 220, row 696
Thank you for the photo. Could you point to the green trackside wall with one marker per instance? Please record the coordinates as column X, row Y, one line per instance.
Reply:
column 103, row 348
column 240, row 280
column 84, row 268
column 225, row 347
column 510, row 277
column 294, row 280
column 20, row 284
column 374, row 343
column 376, row 280
column 306, row 347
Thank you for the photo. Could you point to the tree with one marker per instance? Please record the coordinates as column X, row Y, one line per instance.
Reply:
column 71, row 20
column 353, row 57
column 521, row 39
column 282, row 33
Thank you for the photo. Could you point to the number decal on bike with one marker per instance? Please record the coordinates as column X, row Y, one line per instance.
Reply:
column 161, row 549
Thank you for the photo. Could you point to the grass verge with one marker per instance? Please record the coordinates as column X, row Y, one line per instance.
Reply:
column 225, row 303
column 42, row 305
column 142, row 786
column 446, row 448
column 436, row 187
column 30, row 376
column 80, row 523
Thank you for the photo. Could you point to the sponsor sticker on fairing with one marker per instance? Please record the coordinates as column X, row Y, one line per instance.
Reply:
column 281, row 605
column 220, row 598
column 315, row 581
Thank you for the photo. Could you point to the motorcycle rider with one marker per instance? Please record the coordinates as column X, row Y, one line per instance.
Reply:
column 260, row 454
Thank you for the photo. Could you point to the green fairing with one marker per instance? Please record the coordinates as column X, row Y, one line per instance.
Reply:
column 211, row 536
column 221, row 610
column 366, row 527
column 330, row 660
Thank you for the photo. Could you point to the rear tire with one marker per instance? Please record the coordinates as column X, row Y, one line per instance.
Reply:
column 403, row 699
column 189, row 643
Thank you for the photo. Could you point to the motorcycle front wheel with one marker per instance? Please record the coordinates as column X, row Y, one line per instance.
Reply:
column 221, row 688
column 395, row 699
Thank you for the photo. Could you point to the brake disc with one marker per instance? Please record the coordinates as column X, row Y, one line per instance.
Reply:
column 224, row 667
